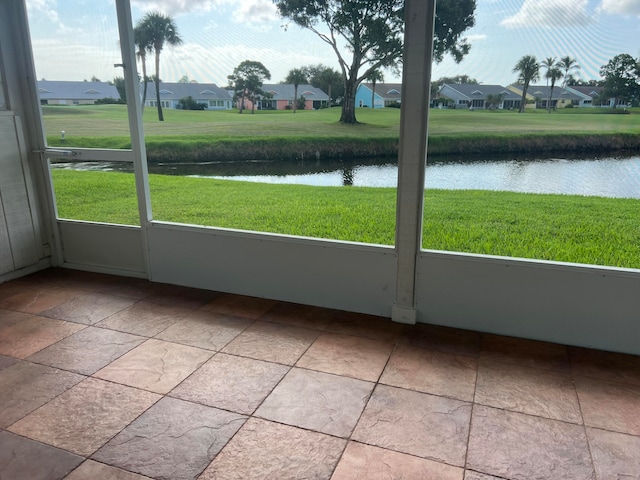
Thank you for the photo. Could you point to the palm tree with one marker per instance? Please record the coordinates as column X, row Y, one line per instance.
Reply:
column 554, row 74
column 550, row 65
column 528, row 70
column 567, row 64
column 142, row 43
column 374, row 76
column 296, row 76
column 159, row 29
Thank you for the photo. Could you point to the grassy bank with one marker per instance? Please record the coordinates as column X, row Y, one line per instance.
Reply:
column 217, row 135
column 551, row 227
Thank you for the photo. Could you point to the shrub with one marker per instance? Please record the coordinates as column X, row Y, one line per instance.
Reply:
column 188, row 103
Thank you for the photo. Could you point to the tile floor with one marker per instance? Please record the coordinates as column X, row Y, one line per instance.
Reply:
column 112, row 378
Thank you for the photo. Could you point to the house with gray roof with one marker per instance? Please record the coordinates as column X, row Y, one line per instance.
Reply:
column 207, row 94
column 560, row 97
column 384, row 95
column 281, row 97
column 476, row 96
column 75, row 93
column 593, row 97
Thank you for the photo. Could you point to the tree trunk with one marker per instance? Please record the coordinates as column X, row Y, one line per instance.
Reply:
column 157, row 82
column 144, row 79
column 524, row 98
column 329, row 95
column 349, row 103
column 295, row 97
column 373, row 94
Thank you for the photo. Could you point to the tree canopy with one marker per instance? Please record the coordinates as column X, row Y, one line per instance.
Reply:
column 326, row 79
column 373, row 33
column 528, row 70
column 246, row 82
column 621, row 75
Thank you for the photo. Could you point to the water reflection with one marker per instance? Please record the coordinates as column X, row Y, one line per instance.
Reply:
column 611, row 176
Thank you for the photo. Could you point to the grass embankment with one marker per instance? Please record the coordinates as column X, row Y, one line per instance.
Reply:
column 567, row 228
column 227, row 135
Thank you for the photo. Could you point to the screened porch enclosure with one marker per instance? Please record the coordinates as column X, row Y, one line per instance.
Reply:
column 581, row 305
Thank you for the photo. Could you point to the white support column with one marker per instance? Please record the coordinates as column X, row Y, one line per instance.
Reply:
column 132, row 88
column 414, row 118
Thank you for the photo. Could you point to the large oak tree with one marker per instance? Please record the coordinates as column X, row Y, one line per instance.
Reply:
column 621, row 79
column 373, row 33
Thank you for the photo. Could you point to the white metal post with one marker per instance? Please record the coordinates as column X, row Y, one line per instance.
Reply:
column 132, row 88
column 414, row 118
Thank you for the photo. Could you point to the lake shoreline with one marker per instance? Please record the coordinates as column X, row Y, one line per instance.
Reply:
column 278, row 149
column 187, row 150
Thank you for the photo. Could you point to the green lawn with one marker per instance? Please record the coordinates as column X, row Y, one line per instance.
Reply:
column 567, row 228
column 111, row 121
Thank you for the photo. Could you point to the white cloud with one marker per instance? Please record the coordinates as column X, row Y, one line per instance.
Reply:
column 620, row 7
column 177, row 7
column 256, row 11
column 551, row 13
column 476, row 37
column 248, row 12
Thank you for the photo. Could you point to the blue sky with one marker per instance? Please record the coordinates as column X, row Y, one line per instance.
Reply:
column 77, row 39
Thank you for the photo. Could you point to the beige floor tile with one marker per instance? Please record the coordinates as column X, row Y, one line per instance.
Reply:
column 610, row 405
column 86, row 416
column 32, row 334
column 173, row 440
column 267, row 450
column 528, row 390
column 24, row 459
column 366, row 326
column 305, row 316
column 346, row 355
column 38, row 299
column 88, row 350
column 514, row 445
column 431, row 371
column 239, row 306
column 443, row 339
column 144, row 318
column 88, row 308
column 317, row 401
column 365, row 462
column 617, row 367
column 25, row 386
column 91, row 470
column 181, row 296
column 207, row 330
column 471, row 475
column 155, row 365
column 616, row 456
column 272, row 342
column 416, row 423
column 232, row 383
column 528, row 353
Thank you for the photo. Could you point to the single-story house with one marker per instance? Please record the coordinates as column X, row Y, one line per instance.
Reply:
column 593, row 97
column 475, row 96
column 560, row 97
column 385, row 95
column 590, row 95
column 53, row 92
column 208, row 94
column 281, row 97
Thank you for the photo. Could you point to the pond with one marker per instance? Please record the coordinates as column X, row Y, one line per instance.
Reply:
column 607, row 176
